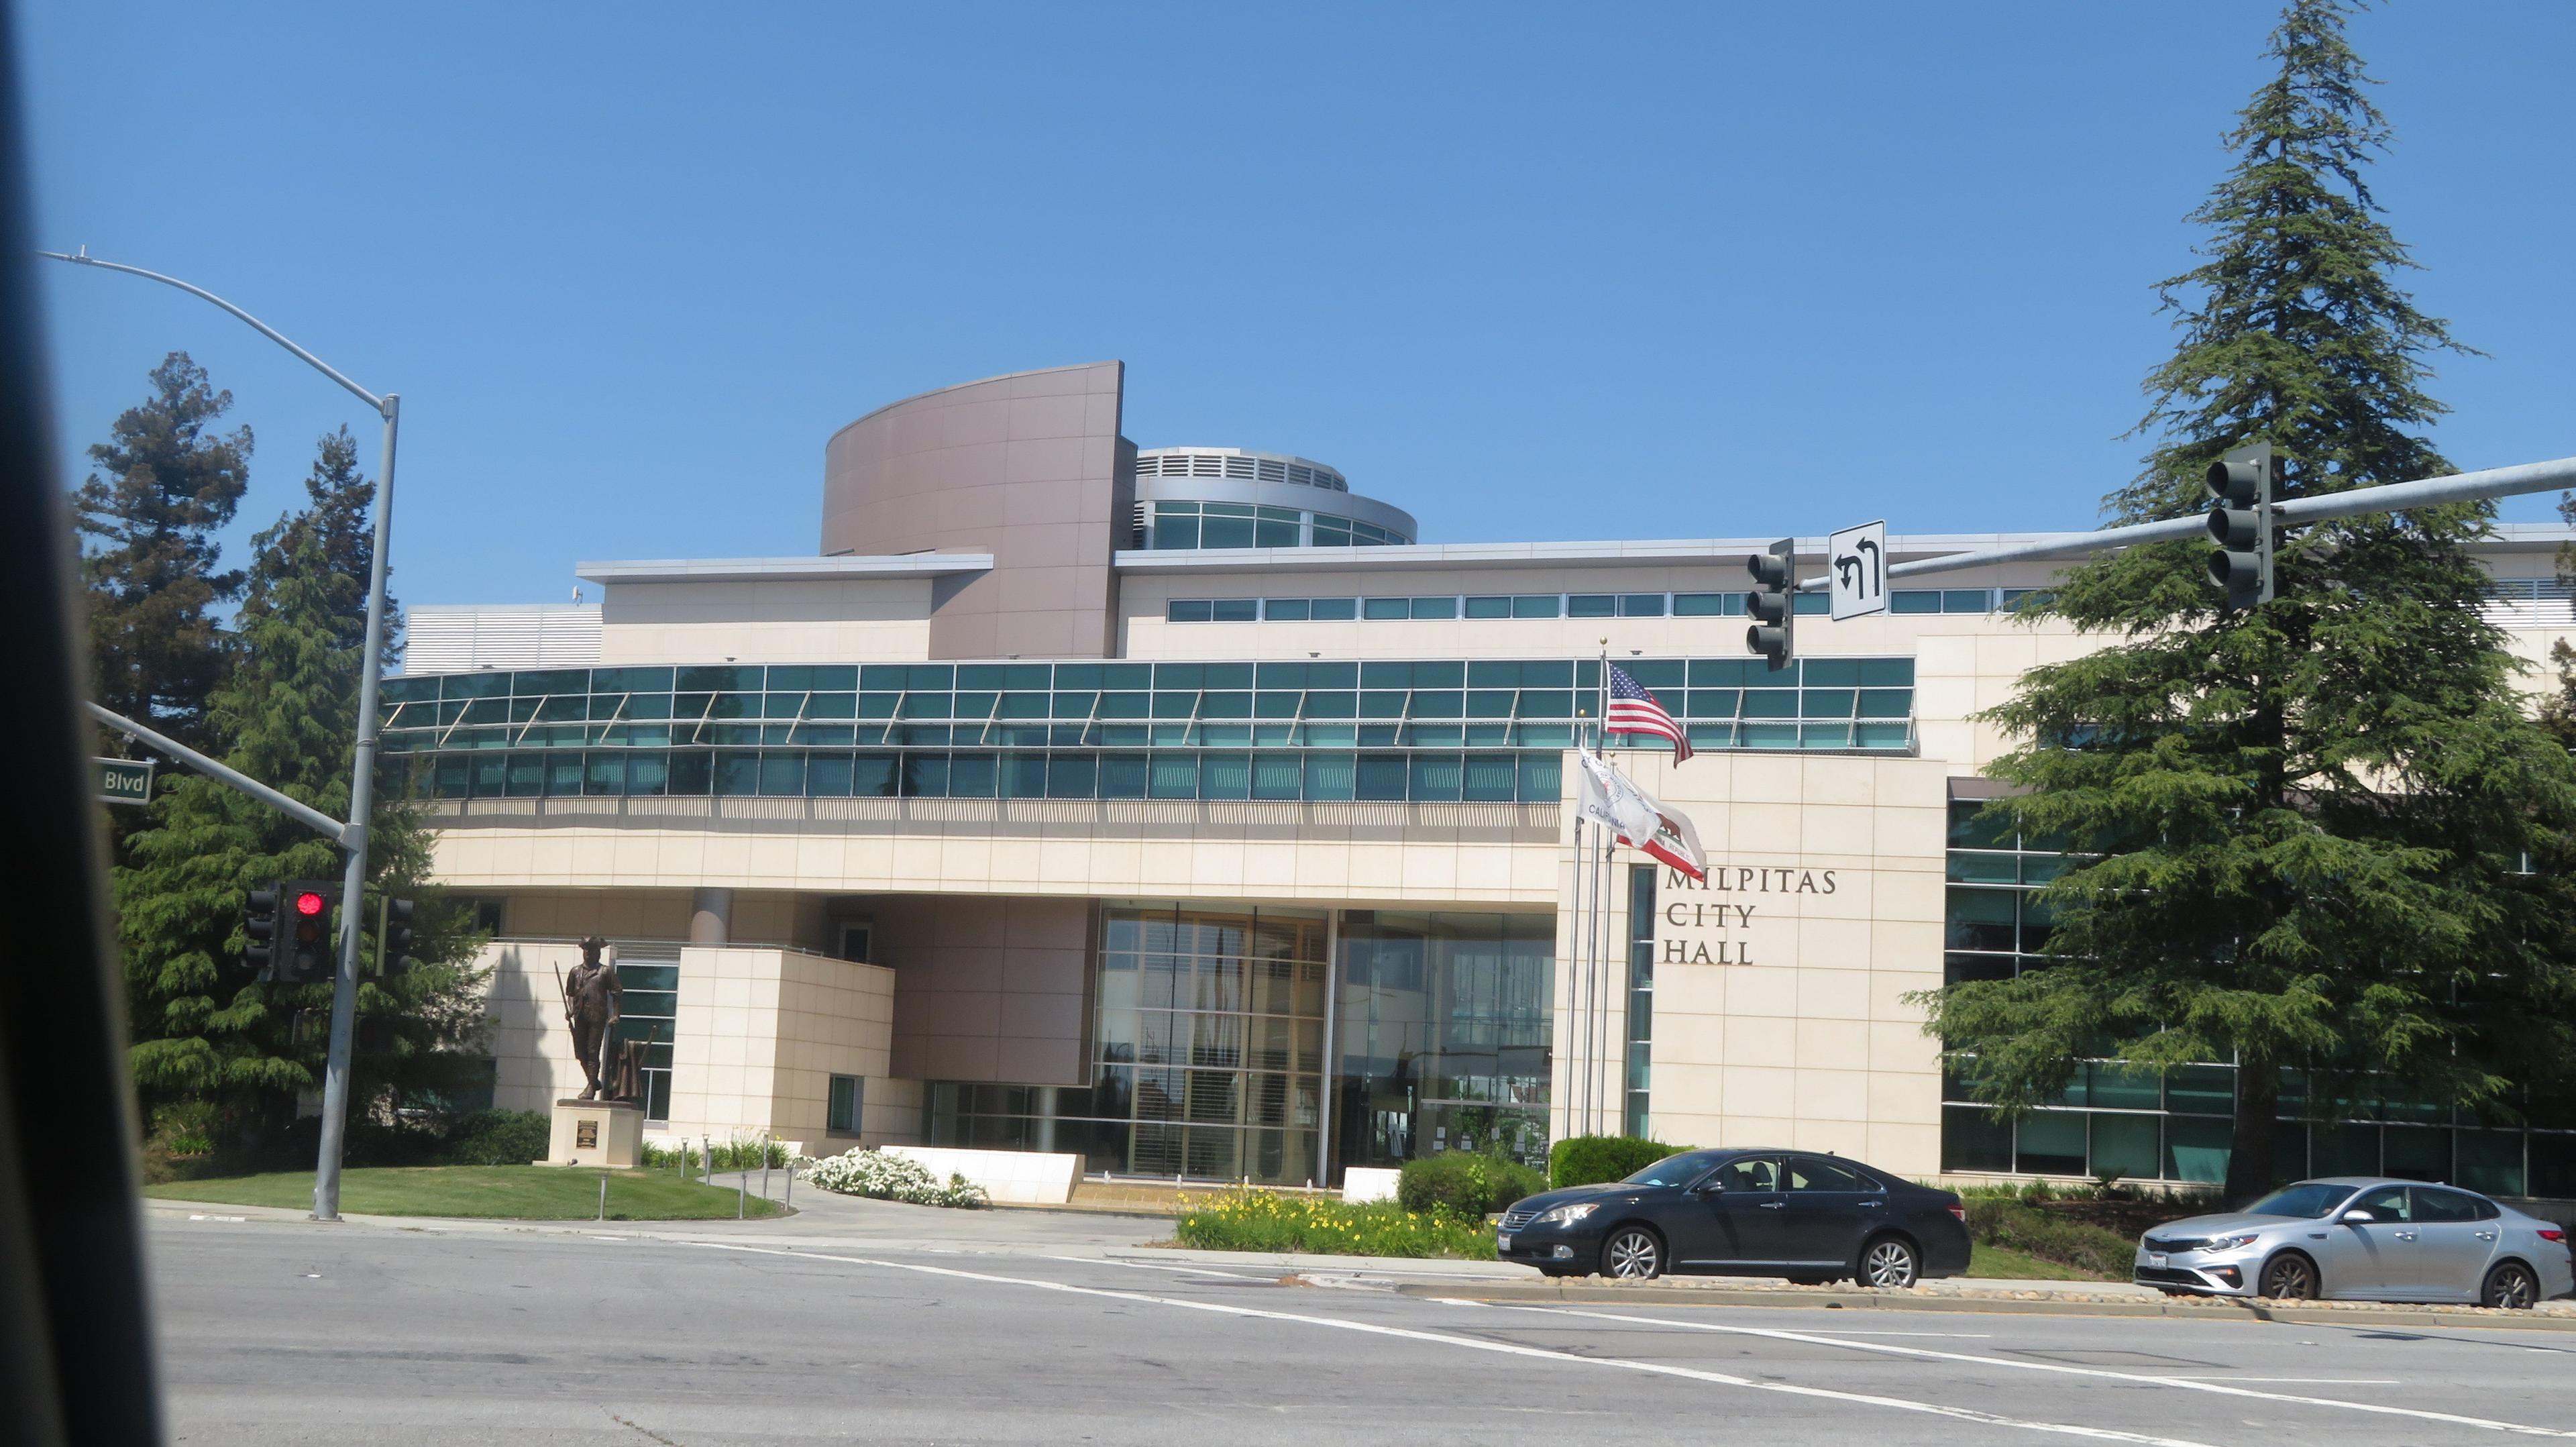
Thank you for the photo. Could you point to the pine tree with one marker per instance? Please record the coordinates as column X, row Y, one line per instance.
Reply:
column 204, row 1027
column 2303, row 831
column 165, row 483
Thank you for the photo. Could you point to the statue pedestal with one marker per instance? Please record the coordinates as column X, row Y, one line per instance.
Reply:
column 596, row 1133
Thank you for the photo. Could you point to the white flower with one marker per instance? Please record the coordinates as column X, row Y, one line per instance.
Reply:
column 867, row 1171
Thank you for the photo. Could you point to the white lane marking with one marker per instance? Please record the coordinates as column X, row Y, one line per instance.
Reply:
column 2186, row 1383
column 1953, row 1335
column 235, row 1219
column 1149, row 1266
column 2314, row 1381
column 1512, row 1349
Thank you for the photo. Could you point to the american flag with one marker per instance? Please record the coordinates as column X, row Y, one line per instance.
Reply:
column 1633, row 710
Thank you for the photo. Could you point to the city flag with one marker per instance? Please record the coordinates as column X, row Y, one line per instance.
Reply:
column 1638, row 819
column 1633, row 710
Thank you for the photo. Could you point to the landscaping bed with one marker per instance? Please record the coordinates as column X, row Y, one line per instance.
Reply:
column 2029, row 1230
column 515, row 1193
column 1258, row 1220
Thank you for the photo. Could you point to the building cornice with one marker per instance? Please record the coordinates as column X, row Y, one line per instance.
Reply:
column 784, row 570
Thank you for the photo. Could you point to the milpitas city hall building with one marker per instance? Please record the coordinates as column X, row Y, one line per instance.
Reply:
column 1179, row 809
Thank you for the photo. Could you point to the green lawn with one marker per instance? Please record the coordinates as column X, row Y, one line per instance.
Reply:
column 520, row 1193
column 1997, row 1262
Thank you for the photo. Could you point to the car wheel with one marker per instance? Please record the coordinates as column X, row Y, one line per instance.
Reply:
column 1889, row 1261
column 1632, row 1254
column 2288, row 1277
column 2511, row 1286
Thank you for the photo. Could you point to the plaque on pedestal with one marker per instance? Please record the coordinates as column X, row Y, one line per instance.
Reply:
column 596, row 1133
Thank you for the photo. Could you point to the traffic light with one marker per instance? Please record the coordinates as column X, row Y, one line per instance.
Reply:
column 1773, row 603
column 393, row 948
column 307, row 928
column 259, row 927
column 2240, row 523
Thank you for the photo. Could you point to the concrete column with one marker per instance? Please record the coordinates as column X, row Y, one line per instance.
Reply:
column 711, row 917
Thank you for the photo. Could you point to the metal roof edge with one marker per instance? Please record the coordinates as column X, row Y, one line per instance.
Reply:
column 774, row 570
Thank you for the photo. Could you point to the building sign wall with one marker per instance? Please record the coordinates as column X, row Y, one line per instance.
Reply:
column 1710, row 921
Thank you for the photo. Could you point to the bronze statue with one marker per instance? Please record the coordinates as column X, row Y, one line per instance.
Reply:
column 591, row 1007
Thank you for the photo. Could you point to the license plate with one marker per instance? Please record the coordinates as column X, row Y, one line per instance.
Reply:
column 1502, row 1241
column 2155, row 1258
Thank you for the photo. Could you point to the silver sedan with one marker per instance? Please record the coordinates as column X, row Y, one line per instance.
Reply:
column 2364, row 1238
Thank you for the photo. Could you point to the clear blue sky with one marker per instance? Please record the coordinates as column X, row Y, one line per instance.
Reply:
column 1569, row 272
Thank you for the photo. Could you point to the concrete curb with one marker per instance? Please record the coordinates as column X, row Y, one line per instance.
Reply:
column 1438, row 1267
column 2203, row 1309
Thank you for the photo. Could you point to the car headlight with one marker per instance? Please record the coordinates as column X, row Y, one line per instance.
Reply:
column 1567, row 1215
column 2230, row 1243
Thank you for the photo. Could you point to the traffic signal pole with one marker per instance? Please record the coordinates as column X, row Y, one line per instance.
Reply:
column 351, row 833
column 362, row 792
column 294, row 808
column 2529, row 477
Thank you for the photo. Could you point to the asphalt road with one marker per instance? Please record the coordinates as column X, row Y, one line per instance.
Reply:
column 285, row 1333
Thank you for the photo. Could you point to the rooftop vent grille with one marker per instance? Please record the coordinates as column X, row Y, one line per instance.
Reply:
column 1169, row 463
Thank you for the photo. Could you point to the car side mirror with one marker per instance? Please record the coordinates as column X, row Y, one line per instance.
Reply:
column 1706, row 1189
column 2358, row 1218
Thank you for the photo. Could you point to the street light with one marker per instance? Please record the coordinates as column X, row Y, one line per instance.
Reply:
column 352, row 834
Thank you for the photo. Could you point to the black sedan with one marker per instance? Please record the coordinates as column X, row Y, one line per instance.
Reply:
column 1810, row 1218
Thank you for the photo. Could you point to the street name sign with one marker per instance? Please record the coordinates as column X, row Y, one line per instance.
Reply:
column 1856, row 570
column 124, row 781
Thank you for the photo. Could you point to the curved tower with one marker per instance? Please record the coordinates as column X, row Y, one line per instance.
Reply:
column 1027, row 467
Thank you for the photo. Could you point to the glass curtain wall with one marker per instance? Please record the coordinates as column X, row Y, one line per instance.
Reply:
column 649, row 975
column 1443, row 1031
column 1423, row 731
column 1207, row 1051
column 1209, row 1044
column 2119, row 1120
column 1638, row 1121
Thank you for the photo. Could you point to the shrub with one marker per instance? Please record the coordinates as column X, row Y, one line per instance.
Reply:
column 1586, row 1160
column 1257, row 1220
column 1465, row 1183
column 745, row 1153
column 683, row 1156
column 741, row 1153
column 498, row 1138
column 2000, row 1220
column 868, row 1171
column 185, row 1128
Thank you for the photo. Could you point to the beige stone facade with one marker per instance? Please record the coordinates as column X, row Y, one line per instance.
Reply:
column 956, row 952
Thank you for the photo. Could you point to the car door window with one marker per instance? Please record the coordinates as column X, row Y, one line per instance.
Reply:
column 1806, row 1173
column 2385, row 1205
column 1749, row 1175
column 2435, row 1205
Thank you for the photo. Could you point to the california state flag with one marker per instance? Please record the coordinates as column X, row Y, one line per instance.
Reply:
column 1639, row 819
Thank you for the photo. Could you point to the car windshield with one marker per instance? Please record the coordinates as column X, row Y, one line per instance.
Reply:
column 1678, row 1170
column 2312, row 1199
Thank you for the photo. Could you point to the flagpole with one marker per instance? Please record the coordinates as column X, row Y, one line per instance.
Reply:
column 1601, row 912
column 1601, row 985
column 1574, row 979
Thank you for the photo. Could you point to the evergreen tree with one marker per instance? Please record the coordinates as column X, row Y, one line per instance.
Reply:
column 204, row 1027
column 165, row 483
column 2302, row 830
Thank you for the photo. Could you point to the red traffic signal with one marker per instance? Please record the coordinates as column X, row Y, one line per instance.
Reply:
column 305, row 952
